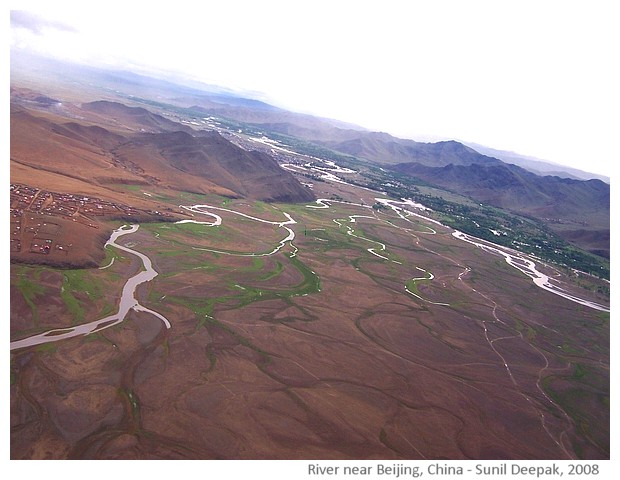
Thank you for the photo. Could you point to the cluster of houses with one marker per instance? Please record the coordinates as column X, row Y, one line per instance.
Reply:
column 33, row 212
column 35, row 215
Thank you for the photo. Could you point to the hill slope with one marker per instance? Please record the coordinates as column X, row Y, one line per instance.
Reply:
column 116, row 143
column 248, row 173
column 133, row 118
column 577, row 210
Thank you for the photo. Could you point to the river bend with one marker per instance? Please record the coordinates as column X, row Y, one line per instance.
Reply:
column 128, row 301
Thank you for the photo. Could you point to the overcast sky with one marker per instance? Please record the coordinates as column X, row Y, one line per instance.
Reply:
column 535, row 77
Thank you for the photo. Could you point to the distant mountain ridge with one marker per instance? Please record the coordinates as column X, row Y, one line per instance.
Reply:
column 380, row 147
column 576, row 210
column 134, row 145
column 557, row 201
column 536, row 165
column 512, row 187
column 386, row 149
column 243, row 107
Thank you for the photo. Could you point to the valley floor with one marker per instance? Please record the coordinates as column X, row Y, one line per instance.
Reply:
column 330, row 330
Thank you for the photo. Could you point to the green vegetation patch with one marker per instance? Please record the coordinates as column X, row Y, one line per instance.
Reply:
column 134, row 407
column 111, row 253
column 82, row 286
column 412, row 285
column 30, row 290
column 274, row 273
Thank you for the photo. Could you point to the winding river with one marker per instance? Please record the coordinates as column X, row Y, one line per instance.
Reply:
column 528, row 267
column 205, row 210
column 515, row 259
column 128, row 301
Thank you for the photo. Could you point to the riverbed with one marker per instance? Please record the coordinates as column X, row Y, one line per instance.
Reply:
column 127, row 302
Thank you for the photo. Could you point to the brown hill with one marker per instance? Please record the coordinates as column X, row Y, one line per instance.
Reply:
column 133, row 118
column 89, row 134
column 94, row 154
column 46, row 142
column 248, row 173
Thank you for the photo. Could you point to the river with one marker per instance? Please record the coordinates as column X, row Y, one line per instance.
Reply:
column 127, row 302
column 515, row 259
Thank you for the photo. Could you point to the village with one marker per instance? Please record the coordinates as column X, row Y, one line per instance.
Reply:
column 37, row 217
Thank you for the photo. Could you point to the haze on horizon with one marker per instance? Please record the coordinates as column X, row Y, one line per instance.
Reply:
column 533, row 78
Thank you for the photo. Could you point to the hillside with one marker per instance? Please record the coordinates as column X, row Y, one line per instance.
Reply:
column 125, row 144
column 579, row 211
column 133, row 118
column 247, row 173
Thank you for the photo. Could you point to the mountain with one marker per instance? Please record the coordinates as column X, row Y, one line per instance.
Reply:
column 385, row 149
column 512, row 187
column 248, row 173
column 536, row 165
column 114, row 143
column 134, row 118
column 562, row 203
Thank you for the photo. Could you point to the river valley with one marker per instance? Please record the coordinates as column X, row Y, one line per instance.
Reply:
column 326, row 330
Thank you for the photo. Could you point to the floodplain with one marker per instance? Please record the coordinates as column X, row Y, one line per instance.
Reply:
column 341, row 329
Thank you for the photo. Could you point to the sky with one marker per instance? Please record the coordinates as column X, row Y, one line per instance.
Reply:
column 534, row 77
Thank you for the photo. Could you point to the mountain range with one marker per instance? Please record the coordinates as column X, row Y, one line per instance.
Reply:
column 130, row 145
column 576, row 209
column 157, row 149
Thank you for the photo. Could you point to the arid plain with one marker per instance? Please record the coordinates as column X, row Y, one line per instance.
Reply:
column 341, row 329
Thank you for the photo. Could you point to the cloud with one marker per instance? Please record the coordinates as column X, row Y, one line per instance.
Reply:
column 37, row 24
